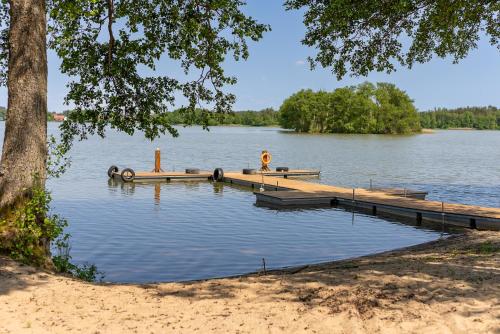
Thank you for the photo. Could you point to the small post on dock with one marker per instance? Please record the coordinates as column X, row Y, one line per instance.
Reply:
column 442, row 214
column 371, row 184
column 157, row 161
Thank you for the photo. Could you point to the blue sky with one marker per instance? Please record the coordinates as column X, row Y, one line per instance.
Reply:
column 277, row 68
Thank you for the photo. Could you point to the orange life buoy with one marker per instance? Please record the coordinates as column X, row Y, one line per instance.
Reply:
column 266, row 158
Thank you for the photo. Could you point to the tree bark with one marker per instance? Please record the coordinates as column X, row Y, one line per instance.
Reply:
column 24, row 153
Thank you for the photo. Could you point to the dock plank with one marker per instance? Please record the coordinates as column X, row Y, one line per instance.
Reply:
column 315, row 190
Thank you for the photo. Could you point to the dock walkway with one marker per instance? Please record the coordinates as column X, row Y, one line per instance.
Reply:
column 288, row 192
column 282, row 190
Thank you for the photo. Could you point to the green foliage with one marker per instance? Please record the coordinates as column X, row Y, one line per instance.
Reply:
column 365, row 108
column 103, row 44
column 265, row 117
column 488, row 248
column 58, row 160
column 482, row 118
column 362, row 36
column 62, row 263
column 3, row 111
column 34, row 229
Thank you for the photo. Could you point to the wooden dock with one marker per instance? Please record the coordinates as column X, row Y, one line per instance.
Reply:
column 206, row 175
column 167, row 176
column 283, row 189
column 281, row 193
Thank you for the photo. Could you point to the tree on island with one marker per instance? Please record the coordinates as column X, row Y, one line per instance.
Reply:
column 103, row 43
column 364, row 108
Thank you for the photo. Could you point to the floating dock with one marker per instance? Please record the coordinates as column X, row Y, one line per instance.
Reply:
column 279, row 189
column 165, row 176
column 206, row 175
column 281, row 193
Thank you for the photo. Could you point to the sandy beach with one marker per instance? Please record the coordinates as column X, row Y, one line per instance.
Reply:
column 447, row 286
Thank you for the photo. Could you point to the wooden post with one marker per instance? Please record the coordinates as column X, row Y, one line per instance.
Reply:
column 442, row 213
column 419, row 218
column 157, row 161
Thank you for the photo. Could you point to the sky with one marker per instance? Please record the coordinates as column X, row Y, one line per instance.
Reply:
column 277, row 68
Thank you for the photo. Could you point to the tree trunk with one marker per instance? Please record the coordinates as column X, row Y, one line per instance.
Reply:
column 24, row 153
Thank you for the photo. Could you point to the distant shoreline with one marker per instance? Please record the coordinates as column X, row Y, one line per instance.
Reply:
column 423, row 131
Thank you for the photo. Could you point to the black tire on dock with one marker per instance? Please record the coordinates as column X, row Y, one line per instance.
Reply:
column 111, row 170
column 282, row 169
column 218, row 175
column 127, row 175
column 249, row 171
column 192, row 171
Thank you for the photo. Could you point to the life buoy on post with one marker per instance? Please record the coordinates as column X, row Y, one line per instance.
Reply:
column 265, row 158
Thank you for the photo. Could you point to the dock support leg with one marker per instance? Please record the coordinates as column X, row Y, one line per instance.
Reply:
column 334, row 202
column 419, row 218
column 472, row 223
column 374, row 210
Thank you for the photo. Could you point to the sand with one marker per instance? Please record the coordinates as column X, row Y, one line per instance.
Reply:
column 448, row 286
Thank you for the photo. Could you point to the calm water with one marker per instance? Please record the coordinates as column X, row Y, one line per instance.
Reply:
column 182, row 231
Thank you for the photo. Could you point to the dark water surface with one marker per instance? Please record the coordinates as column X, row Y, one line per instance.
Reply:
column 182, row 231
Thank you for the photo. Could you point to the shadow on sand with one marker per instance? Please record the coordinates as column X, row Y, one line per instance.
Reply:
column 462, row 269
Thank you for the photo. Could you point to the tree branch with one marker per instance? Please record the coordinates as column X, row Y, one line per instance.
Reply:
column 111, row 9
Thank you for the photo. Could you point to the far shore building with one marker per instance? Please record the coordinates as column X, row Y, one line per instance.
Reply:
column 59, row 117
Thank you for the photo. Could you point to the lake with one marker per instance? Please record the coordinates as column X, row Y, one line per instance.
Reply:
column 194, row 230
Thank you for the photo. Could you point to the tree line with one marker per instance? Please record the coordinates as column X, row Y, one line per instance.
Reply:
column 482, row 118
column 264, row 117
column 366, row 108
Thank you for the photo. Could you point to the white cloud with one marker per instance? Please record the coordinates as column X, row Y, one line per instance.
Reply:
column 300, row 62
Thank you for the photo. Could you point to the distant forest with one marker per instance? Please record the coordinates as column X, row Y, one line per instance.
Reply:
column 366, row 108
column 482, row 118
column 264, row 117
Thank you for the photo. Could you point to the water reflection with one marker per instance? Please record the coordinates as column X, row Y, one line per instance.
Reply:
column 194, row 190
column 129, row 188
